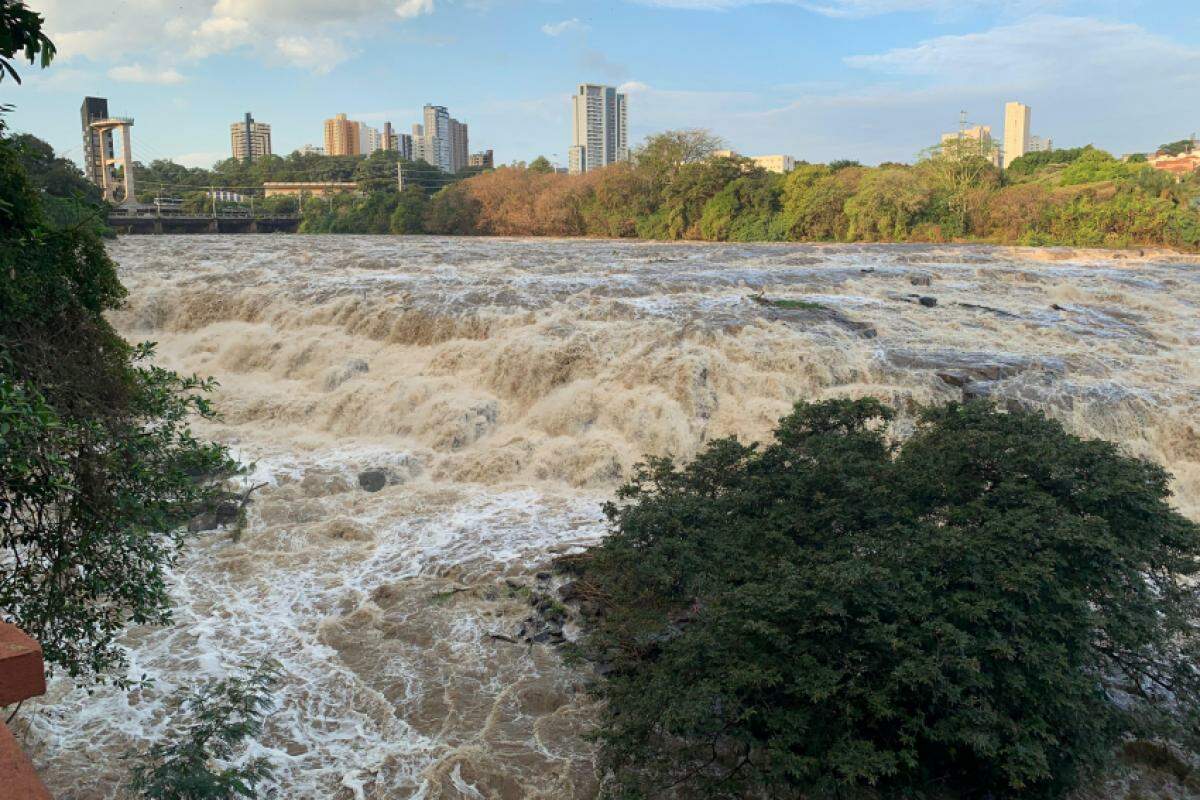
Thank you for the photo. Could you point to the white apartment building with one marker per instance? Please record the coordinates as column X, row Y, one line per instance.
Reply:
column 600, row 127
column 369, row 140
column 1016, row 131
column 773, row 163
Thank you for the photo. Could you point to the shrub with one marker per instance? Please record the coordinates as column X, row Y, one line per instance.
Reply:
column 212, row 724
column 984, row 608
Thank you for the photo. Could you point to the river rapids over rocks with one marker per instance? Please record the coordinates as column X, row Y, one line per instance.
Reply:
column 493, row 393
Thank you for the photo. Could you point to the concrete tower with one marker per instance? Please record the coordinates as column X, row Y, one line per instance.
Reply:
column 1016, row 131
column 103, row 128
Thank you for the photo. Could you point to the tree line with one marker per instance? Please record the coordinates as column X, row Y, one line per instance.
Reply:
column 675, row 189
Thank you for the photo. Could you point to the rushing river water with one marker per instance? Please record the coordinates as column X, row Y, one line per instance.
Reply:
column 504, row 387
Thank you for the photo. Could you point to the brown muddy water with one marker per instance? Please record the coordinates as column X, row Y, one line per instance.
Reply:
column 505, row 387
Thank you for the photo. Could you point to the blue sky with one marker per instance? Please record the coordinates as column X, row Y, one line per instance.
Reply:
column 872, row 80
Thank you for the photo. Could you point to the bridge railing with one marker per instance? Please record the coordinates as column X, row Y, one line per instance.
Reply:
column 151, row 213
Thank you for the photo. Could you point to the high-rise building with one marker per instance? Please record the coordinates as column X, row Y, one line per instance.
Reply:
column 404, row 145
column 437, row 145
column 600, row 128
column 389, row 137
column 460, row 150
column 342, row 136
column 311, row 150
column 97, row 145
column 1016, row 131
column 1039, row 145
column 250, row 140
column 369, row 140
column 418, row 144
column 485, row 160
column 441, row 141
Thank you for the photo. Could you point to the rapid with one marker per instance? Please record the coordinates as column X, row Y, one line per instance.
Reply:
column 504, row 387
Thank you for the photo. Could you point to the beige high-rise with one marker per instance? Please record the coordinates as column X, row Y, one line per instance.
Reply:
column 342, row 136
column 250, row 140
column 1016, row 131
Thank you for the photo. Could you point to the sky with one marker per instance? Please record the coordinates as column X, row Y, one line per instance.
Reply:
column 870, row 80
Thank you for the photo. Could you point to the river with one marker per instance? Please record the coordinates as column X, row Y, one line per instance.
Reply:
column 504, row 387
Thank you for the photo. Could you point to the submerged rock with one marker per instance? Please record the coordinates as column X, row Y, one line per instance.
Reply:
column 373, row 480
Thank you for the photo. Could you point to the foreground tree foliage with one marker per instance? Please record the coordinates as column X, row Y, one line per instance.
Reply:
column 98, row 467
column 214, row 724
column 984, row 609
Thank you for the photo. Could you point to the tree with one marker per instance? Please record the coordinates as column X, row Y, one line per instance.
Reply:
column 212, row 724
column 21, row 32
column 985, row 608
column 541, row 164
column 98, row 467
column 1178, row 148
column 955, row 169
column 662, row 156
column 410, row 207
column 887, row 203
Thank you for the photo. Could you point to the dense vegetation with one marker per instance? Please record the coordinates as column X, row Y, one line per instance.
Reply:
column 1072, row 197
column 98, row 467
column 982, row 610
column 204, row 759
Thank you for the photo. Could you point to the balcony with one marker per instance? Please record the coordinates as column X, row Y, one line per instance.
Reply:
column 21, row 677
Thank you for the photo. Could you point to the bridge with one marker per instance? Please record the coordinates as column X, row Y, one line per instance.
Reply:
column 125, row 220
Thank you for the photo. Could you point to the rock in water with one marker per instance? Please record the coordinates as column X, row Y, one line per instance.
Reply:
column 372, row 479
column 928, row 302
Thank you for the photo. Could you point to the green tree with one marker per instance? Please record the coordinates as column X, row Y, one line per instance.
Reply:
column 886, row 205
column 98, row 467
column 213, row 723
column 541, row 165
column 451, row 211
column 663, row 155
column 985, row 608
column 410, row 209
column 21, row 33
column 1178, row 148
column 954, row 170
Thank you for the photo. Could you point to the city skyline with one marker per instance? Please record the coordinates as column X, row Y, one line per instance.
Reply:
column 875, row 80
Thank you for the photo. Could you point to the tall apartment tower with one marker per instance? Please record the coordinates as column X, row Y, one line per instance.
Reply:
column 97, row 145
column 342, row 136
column 460, row 150
column 250, row 140
column 600, row 128
column 369, row 140
column 1016, row 132
column 436, row 137
column 404, row 145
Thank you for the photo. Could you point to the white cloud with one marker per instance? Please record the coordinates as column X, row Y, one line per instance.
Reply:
column 136, row 73
column 1041, row 50
column 559, row 28
column 408, row 9
column 317, row 53
column 865, row 8
column 313, row 34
